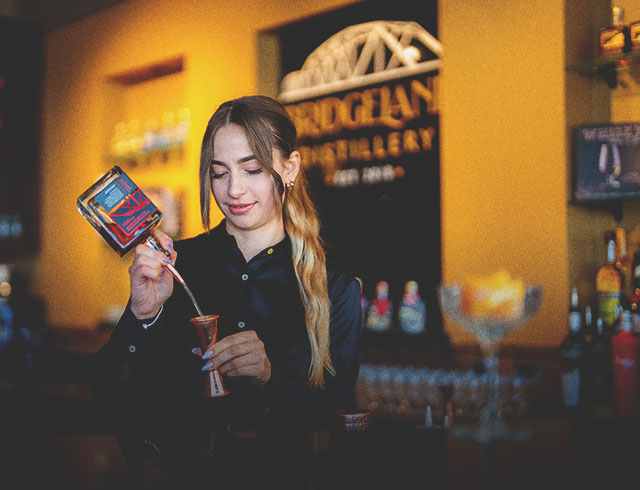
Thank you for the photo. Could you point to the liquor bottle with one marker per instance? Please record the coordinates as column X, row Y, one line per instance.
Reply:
column 624, row 348
column 412, row 313
column 125, row 217
column 617, row 38
column 6, row 312
column 634, row 297
column 380, row 310
column 599, row 377
column 589, row 327
column 571, row 351
column 120, row 212
column 623, row 264
column 608, row 284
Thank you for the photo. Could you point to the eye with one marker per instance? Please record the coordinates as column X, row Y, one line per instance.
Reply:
column 255, row 171
column 217, row 175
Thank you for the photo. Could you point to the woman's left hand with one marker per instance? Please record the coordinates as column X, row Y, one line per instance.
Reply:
column 240, row 354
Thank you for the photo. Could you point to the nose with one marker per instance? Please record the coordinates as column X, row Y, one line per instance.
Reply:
column 236, row 186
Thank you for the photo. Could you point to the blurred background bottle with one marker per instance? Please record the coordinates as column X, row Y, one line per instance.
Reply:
column 600, row 403
column 572, row 351
column 608, row 286
column 624, row 348
column 634, row 297
column 624, row 265
column 6, row 320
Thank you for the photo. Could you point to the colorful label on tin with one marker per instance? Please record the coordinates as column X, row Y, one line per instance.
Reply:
column 126, row 204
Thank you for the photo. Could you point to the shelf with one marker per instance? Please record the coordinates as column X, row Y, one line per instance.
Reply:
column 593, row 65
column 143, row 156
column 606, row 67
column 612, row 206
column 149, row 72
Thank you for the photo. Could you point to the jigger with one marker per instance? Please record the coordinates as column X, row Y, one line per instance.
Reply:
column 207, row 332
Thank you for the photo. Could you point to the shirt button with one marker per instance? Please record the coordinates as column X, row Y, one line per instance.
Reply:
column 245, row 277
column 132, row 348
column 270, row 251
column 240, row 324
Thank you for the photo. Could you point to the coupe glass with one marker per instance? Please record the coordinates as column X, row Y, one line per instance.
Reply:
column 489, row 332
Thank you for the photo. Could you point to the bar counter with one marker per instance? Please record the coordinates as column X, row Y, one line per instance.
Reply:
column 54, row 437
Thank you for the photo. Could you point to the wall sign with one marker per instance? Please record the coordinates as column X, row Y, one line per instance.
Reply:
column 365, row 105
column 607, row 164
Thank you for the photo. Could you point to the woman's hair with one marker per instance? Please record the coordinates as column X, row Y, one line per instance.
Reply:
column 267, row 126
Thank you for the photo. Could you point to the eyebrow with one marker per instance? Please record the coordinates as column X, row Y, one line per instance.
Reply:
column 248, row 158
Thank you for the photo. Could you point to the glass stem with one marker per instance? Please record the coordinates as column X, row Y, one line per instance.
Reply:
column 491, row 365
column 490, row 362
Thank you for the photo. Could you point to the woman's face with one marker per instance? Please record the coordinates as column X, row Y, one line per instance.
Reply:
column 243, row 190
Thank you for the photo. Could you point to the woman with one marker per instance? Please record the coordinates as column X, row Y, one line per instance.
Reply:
column 288, row 332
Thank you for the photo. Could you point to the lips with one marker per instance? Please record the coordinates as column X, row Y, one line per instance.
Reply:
column 239, row 209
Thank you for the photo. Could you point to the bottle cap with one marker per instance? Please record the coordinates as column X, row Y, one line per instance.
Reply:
column 574, row 297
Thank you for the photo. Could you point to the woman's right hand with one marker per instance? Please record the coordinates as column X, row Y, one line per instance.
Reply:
column 151, row 282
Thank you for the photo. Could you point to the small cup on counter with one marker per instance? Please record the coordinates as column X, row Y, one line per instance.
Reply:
column 354, row 420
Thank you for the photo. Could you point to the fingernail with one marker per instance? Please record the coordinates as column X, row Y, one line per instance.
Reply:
column 167, row 260
column 207, row 355
column 171, row 247
column 194, row 351
column 207, row 366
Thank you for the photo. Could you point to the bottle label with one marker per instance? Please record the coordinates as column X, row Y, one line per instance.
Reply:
column 625, row 363
column 608, row 304
column 574, row 321
column 125, row 204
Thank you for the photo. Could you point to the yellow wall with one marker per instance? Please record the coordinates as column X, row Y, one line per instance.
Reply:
column 76, row 274
column 503, row 136
column 503, row 150
column 590, row 100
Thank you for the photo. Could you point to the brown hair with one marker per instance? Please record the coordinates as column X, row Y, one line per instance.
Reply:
column 267, row 126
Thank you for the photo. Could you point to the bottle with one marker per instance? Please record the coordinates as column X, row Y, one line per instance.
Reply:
column 412, row 313
column 125, row 217
column 634, row 297
column 624, row 348
column 623, row 264
column 589, row 328
column 571, row 351
column 608, row 284
column 6, row 312
column 380, row 309
column 617, row 38
column 599, row 377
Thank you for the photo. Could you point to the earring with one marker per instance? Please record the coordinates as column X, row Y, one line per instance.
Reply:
column 289, row 185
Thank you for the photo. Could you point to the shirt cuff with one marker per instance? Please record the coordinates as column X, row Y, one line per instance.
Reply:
column 147, row 322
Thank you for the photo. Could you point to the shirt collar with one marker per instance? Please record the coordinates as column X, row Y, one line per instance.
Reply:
column 228, row 243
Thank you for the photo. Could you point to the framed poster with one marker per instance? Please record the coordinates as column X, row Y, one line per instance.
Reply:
column 607, row 162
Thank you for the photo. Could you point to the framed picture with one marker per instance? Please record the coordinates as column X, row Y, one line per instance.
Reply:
column 169, row 201
column 607, row 161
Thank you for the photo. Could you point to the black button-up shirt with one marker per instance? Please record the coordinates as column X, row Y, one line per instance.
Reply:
column 154, row 371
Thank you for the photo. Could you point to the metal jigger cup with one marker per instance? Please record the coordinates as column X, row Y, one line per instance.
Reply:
column 207, row 332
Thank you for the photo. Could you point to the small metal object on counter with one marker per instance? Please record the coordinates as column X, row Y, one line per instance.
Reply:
column 354, row 420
